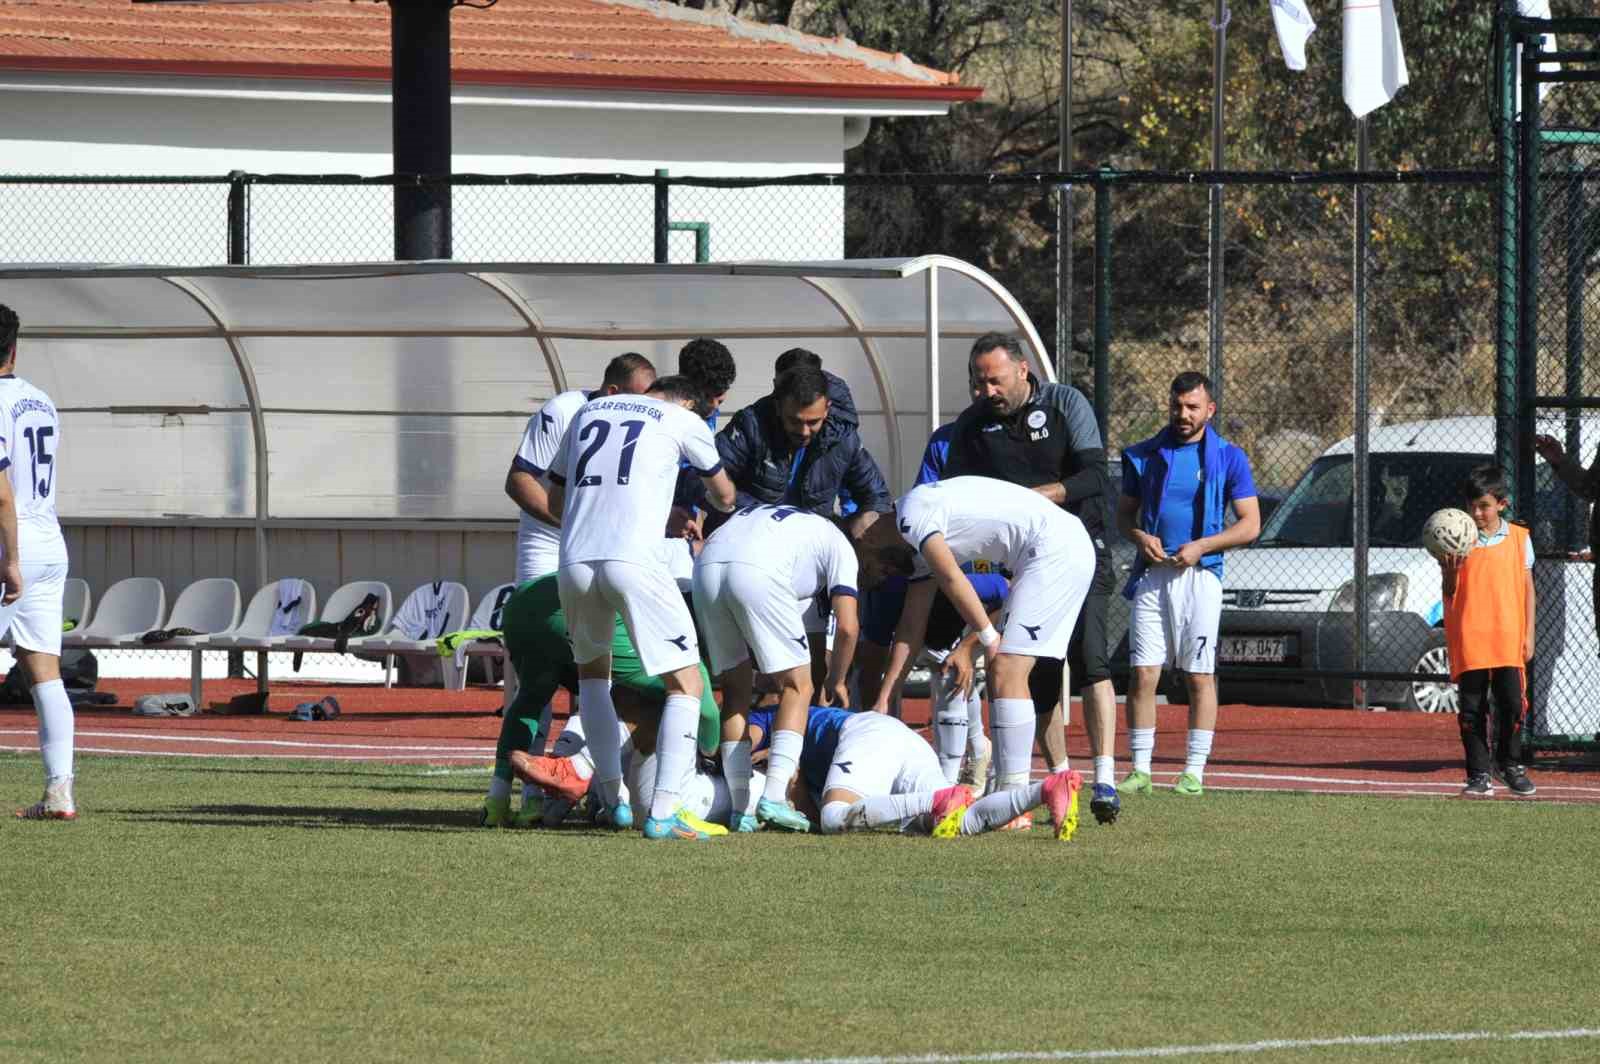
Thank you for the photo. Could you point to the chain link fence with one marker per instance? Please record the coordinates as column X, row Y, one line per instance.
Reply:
column 1140, row 312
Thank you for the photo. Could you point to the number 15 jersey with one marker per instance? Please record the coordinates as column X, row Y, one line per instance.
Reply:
column 619, row 465
column 30, row 438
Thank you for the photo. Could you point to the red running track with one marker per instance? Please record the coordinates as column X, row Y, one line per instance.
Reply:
column 1269, row 749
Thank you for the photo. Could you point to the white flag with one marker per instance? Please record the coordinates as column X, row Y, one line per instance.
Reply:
column 1294, row 25
column 1374, row 63
column 1547, row 43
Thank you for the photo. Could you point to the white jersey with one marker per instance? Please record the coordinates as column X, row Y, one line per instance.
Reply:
column 30, row 442
column 619, row 463
column 802, row 549
column 540, row 441
column 979, row 517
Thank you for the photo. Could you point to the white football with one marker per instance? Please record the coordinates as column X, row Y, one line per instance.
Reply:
column 1449, row 531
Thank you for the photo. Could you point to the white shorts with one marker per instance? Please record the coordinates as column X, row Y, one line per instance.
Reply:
column 746, row 610
column 878, row 755
column 1046, row 597
column 1176, row 614
column 652, row 608
column 34, row 620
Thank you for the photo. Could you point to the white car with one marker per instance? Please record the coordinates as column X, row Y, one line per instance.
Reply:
column 1288, row 600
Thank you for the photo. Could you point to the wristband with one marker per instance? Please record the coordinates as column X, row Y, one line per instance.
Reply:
column 988, row 636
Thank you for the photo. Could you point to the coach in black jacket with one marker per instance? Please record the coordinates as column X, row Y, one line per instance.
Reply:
column 800, row 447
column 1044, row 436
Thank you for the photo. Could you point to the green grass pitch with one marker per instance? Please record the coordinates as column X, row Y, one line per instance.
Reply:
column 277, row 910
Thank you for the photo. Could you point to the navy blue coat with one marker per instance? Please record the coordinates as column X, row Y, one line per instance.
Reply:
column 756, row 453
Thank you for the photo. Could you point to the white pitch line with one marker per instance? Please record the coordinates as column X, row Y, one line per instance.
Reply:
column 1211, row 1049
column 246, row 757
column 161, row 737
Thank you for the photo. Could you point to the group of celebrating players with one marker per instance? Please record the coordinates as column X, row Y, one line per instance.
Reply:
column 776, row 547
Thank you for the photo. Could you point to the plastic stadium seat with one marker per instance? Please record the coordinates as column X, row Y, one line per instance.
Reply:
column 128, row 609
column 413, row 630
column 262, row 627
column 340, row 605
column 210, row 607
column 487, row 616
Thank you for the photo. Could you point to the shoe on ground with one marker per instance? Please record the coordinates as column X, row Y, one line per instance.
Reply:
column 619, row 816
column 745, row 824
column 554, row 775
column 1023, row 822
column 555, row 811
column 781, row 815
column 1515, row 777
column 949, row 807
column 531, row 814
column 705, row 826
column 496, row 813
column 1104, row 803
column 55, row 805
column 1061, row 798
column 974, row 772
column 676, row 826
column 1135, row 782
column 1188, row 785
column 1478, row 786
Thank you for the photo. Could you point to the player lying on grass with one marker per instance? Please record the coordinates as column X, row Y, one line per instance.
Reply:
column 753, row 582
column 535, row 633
column 934, row 529
column 869, row 770
column 707, row 799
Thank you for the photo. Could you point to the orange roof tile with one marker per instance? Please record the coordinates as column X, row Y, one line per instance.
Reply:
column 594, row 44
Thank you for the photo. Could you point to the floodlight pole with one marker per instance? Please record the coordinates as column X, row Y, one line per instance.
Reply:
column 1064, row 209
column 420, row 78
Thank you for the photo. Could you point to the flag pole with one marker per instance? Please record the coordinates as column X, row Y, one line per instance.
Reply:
column 1219, row 64
column 1360, row 475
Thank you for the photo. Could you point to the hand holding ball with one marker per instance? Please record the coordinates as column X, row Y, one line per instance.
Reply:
column 1449, row 533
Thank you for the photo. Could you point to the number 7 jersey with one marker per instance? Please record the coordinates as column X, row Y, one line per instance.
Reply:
column 30, row 440
column 619, row 465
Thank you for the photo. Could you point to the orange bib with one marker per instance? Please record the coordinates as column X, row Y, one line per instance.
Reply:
column 1484, row 620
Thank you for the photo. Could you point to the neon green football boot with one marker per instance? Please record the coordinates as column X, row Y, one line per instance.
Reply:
column 1135, row 782
column 1188, row 785
column 496, row 813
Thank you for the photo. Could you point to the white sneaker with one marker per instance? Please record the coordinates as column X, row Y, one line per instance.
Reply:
column 55, row 805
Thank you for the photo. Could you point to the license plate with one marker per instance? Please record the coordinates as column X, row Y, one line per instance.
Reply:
column 1247, row 649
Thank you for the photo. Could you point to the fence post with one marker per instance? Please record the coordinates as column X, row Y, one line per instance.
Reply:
column 663, row 213
column 1359, row 474
column 1577, row 253
column 1102, row 303
column 1507, row 190
column 238, row 219
column 1527, row 279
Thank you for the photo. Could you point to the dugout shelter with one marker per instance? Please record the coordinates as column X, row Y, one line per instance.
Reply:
column 356, row 421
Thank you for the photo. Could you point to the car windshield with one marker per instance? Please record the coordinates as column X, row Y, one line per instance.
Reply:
column 1405, row 489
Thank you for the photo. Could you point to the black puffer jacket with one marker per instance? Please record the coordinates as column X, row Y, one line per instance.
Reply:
column 756, row 453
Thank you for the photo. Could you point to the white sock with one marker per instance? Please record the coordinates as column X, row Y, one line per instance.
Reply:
column 54, row 708
column 1013, row 724
column 599, row 718
column 736, row 772
column 885, row 810
column 974, row 714
column 1141, row 744
column 999, row 809
column 832, row 819
column 782, row 762
column 1105, row 769
column 676, row 743
column 499, row 788
column 950, row 735
column 1199, row 750
column 1065, row 766
column 641, row 773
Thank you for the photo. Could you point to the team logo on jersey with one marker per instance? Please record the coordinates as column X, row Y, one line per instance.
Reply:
column 843, row 766
column 1036, row 419
column 680, row 641
column 1032, row 630
column 802, row 641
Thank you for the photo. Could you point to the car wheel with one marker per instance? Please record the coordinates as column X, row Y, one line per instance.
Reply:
column 1430, row 696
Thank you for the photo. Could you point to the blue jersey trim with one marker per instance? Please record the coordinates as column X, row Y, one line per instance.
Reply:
column 713, row 471
column 842, row 589
column 522, row 465
column 557, row 479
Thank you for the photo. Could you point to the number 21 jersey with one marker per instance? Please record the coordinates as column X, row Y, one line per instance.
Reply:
column 30, row 439
column 619, row 465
